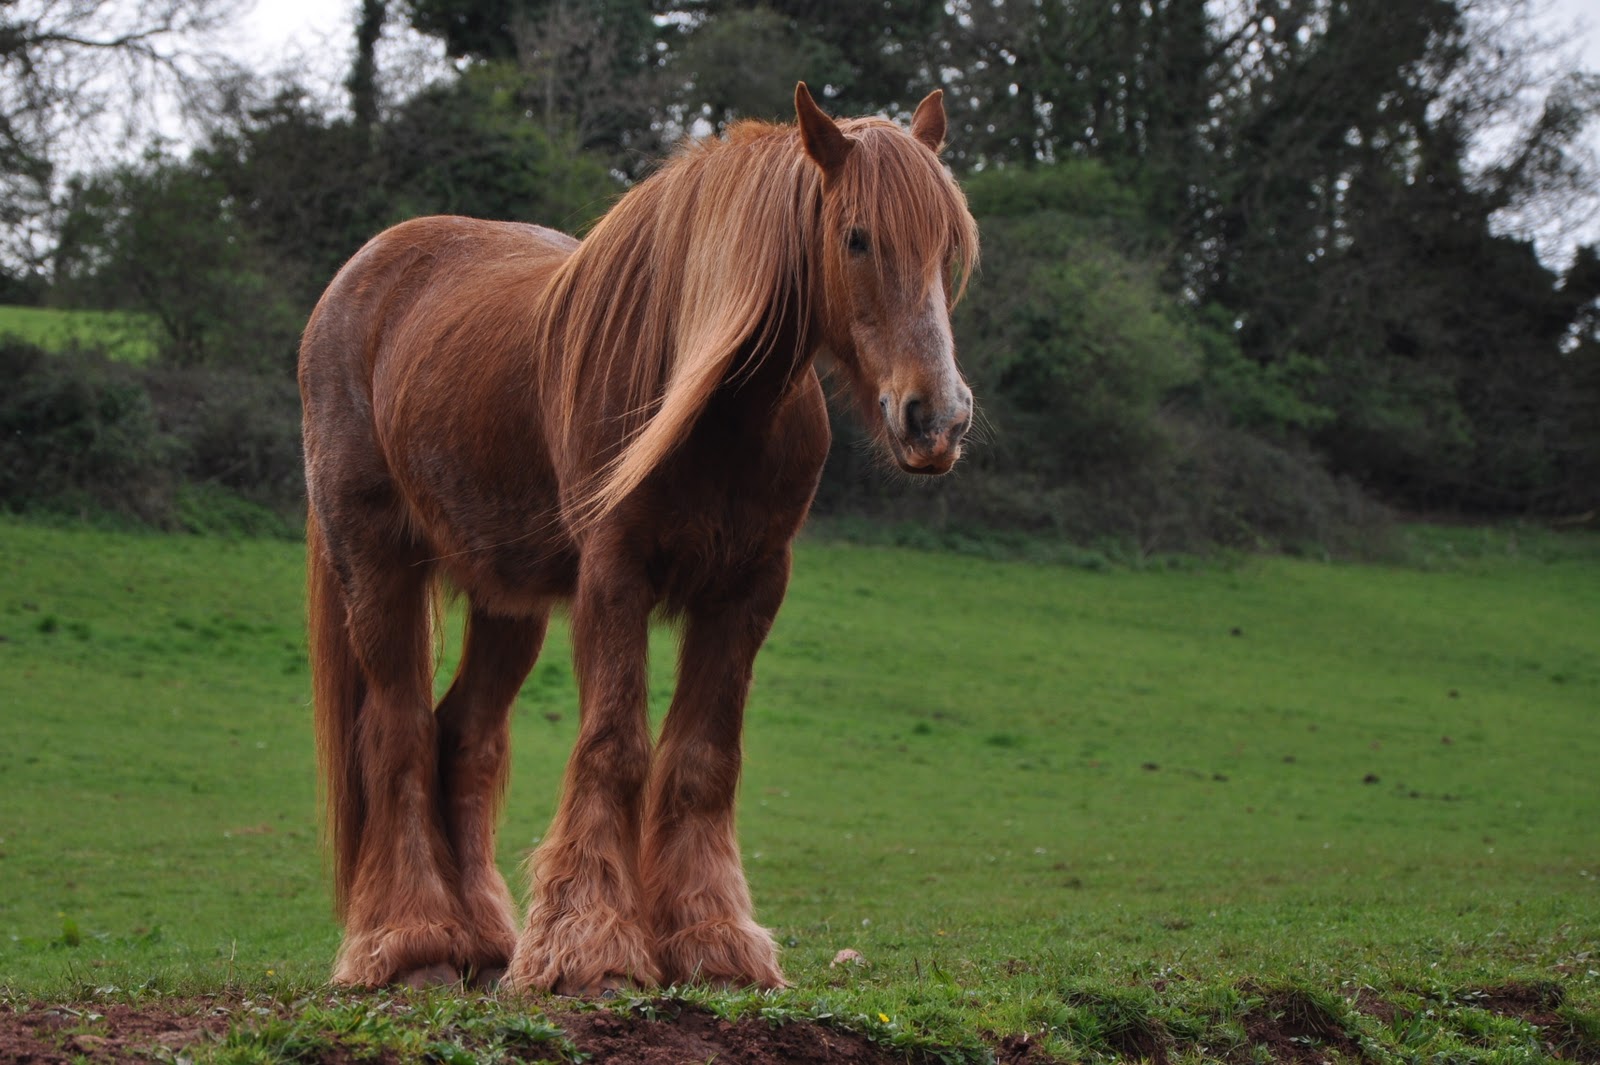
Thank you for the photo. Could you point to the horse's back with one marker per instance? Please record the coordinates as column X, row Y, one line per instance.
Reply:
column 383, row 282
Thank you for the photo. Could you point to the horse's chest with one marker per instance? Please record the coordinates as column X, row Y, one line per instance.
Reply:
column 722, row 506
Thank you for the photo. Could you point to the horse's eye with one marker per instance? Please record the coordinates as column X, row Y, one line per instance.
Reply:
column 858, row 242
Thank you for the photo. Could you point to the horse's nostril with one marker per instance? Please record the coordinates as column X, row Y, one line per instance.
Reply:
column 959, row 429
column 914, row 420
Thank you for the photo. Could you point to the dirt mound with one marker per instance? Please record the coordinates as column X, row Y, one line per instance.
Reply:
column 112, row 1031
column 694, row 1035
column 1290, row 1026
column 158, row 1029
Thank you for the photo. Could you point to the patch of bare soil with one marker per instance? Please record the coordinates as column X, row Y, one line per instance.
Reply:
column 57, row 1035
column 1373, row 1005
column 1139, row 1044
column 1299, row 1036
column 1533, row 1003
column 1537, row 1004
column 1019, row 1050
column 1290, row 1028
column 694, row 1035
column 44, row 1034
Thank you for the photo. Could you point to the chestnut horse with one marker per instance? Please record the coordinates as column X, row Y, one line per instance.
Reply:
column 625, row 424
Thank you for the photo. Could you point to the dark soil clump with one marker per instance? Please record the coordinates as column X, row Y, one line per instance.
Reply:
column 110, row 1031
column 695, row 1035
column 160, row 1028
column 1294, row 1027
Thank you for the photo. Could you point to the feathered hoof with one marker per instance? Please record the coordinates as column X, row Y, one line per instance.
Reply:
column 493, row 933
column 582, row 958
column 725, row 953
column 398, row 956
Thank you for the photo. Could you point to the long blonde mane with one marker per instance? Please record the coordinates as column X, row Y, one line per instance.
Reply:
column 707, row 258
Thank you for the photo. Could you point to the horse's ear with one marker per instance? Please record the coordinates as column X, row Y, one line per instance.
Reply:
column 928, row 124
column 822, row 138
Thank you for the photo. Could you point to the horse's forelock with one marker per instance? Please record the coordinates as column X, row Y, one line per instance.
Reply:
column 893, row 187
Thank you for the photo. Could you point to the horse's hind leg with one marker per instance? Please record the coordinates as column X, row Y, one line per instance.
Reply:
column 694, row 884
column 474, row 750
column 402, row 920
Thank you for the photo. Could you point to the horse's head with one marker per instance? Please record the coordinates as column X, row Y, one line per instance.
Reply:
column 897, row 246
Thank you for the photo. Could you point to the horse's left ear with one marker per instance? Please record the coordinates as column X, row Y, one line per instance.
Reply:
column 928, row 124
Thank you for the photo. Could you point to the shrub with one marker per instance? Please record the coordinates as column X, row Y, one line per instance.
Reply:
column 78, row 432
column 196, row 449
column 1209, row 486
column 235, row 430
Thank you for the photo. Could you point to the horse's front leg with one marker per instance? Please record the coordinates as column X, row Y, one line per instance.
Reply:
column 695, row 890
column 584, row 932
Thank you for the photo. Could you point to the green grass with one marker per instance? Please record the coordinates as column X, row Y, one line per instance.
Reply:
column 1103, row 807
column 124, row 335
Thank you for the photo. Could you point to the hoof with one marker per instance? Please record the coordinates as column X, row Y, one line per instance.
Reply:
column 730, row 953
column 425, row 976
column 581, row 956
column 608, row 987
column 487, row 978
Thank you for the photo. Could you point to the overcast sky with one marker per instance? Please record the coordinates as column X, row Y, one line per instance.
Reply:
column 280, row 31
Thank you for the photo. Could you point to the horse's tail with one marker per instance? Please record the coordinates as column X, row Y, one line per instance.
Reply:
column 338, row 688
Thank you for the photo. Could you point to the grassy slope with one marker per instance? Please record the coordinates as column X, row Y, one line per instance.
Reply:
column 1009, row 787
column 124, row 334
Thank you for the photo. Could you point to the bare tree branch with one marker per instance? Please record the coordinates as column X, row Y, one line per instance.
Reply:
column 80, row 80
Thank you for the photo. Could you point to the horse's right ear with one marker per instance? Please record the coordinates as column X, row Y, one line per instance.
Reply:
column 823, row 141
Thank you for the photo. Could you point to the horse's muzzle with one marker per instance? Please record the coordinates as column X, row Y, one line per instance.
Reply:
column 923, row 438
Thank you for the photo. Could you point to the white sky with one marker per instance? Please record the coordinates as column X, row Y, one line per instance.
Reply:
column 279, row 31
column 315, row 39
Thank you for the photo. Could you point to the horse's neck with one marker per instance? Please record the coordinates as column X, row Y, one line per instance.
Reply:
column 762, row 378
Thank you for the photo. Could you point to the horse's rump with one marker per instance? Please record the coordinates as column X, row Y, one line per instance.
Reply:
column 418, row 378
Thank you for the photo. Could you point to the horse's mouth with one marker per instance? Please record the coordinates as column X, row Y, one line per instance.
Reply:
column 925, row 465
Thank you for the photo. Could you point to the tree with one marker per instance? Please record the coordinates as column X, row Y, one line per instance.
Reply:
column 312, row 189
column 861, row 57
column 745, row 63
column 229, row 249
column 1050, row 79
column 159, row 236
column 1074, row 345
column 1346, row 223
column 589, row 65
column 76, row 74
column 363, row 79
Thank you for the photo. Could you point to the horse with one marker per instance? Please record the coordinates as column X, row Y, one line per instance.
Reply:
column 631, row 425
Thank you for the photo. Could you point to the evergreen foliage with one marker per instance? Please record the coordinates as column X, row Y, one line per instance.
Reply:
column 1246, row 267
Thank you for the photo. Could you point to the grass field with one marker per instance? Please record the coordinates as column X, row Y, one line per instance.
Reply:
column 124, row 335
column 1098, row 807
